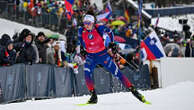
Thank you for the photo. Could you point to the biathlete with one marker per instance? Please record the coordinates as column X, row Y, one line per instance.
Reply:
column 91, row 39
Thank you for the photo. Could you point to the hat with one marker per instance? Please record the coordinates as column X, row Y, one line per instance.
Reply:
column 4, row 39
column 40, row 34
column 89, row 18
column 23, row 34
column 9, row 42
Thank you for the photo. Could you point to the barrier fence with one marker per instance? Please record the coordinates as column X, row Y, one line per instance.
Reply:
column 21, row 82
column 171, row 11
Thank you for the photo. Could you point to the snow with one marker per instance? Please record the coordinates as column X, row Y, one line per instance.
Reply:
column 176, row 97
column 9, row 27
column 172, row 23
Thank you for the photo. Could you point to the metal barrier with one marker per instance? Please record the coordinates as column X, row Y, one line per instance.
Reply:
column 171, row 11
column 21, row 82
column 3, row 6
column 47, row 20
column 12, row 80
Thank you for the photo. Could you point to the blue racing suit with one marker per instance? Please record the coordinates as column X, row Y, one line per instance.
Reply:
column 95, row 57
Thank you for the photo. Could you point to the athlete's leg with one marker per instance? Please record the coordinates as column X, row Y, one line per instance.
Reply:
column 88, row 70
column 107, row 62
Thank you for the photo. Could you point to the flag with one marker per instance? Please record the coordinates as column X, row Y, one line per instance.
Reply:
column 143, row 54
column 108, row 7
column 105, row 16
column 157, row 21
column 69, row 10
column 139, row 15
column 127, row 16
column 151, row 48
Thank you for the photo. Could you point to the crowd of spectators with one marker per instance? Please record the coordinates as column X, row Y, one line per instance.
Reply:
column 176, row 44
column 51, row 14
column 39, row 10
column 28, row 48
column 25, row 47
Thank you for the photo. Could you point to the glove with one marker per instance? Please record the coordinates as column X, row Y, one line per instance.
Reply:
column 113, row 47
column 83, row 51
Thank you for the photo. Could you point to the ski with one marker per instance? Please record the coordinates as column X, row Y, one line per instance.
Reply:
column 145, row 101
column 85, row 104
column 149, row 103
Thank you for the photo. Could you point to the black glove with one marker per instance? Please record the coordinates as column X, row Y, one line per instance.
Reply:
column 113, row 47
column 83, row 51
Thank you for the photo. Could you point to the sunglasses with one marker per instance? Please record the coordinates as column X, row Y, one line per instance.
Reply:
column 87, row 23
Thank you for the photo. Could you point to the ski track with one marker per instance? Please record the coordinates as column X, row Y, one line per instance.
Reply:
column 176, row 97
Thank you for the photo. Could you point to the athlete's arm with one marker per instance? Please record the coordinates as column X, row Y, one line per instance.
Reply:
column 103, row 29
column 80, row 42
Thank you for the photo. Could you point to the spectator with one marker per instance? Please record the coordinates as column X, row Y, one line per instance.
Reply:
column 22, row 35
column 58, row 55
column 50, row 52
column 189, row 52
column 173, row 50
column 8, row 54
column 26, row 52
column 4, row 39
column 62, row 60
column 41, row 45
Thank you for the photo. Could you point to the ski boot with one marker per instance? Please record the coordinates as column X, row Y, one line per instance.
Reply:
column 138, row 95
column 93, row 99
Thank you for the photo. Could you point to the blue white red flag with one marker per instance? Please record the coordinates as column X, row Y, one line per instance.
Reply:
column 151, row 48
column 105, row 16
column 69, row 10
column 108, row 7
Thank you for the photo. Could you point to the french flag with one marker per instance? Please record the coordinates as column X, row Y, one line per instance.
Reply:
column 151, row 48
column 105, row 16
column 68, row 5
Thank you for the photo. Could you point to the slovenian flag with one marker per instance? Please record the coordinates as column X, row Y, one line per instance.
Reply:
column 151, row 48
column 69, row 10
column 105, row 16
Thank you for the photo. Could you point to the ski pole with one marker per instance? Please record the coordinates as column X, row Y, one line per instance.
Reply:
column 136, row 67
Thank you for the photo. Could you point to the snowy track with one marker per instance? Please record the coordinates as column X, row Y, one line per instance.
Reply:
column 176, row 97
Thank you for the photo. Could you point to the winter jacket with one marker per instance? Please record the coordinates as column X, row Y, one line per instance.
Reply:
column 7, row 57
column 27, row 53
column 42, row 51
column 189, row 51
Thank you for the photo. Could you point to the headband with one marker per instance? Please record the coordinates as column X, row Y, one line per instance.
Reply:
column 89, row 18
